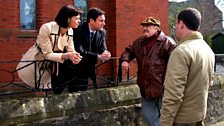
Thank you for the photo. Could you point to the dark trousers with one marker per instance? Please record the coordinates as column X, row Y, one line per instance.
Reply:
column 63, row 76
column 84, row 71
column 81, row 84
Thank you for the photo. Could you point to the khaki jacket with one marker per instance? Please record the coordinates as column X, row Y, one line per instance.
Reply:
column 47, row 38
column 190, row 71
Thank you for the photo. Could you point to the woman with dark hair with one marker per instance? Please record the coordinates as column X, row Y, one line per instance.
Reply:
column 55, row 43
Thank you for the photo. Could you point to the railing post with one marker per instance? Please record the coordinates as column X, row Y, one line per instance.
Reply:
column 112, row 72
column 215, row 63
column 35, row 74
column 119, row 71
column 94, row 82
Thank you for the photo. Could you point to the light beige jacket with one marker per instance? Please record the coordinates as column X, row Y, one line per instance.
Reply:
column 47, row 37
column 190, row 71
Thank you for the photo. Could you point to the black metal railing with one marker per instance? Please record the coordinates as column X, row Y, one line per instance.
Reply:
column 12, row 73
column 112, row 79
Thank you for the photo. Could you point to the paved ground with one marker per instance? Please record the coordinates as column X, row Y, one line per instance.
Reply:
column 220, row 69
column 219, row 124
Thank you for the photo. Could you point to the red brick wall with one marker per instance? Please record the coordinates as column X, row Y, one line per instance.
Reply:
column 129, row 15
column 48, row 9
column 122, row 24
column 9, row 13
column 14, row 40
column 109, row 7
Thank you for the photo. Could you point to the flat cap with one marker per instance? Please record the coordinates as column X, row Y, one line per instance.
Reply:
column 151, row 21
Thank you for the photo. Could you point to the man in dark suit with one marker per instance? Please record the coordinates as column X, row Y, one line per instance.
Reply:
column 90, row 42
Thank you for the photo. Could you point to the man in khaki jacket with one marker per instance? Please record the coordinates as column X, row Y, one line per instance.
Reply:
column 190, row 71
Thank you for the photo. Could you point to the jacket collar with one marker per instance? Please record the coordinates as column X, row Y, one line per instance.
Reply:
column 160, row 37
column 55, row 30
column 193, row 35
column 70, row 32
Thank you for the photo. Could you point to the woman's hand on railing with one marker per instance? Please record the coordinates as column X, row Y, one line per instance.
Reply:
column 73, row 56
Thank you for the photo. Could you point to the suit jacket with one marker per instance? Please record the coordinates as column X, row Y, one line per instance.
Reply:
column 89, row 50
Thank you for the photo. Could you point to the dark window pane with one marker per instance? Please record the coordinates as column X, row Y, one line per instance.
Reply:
column 28, row 14
column 82, row 4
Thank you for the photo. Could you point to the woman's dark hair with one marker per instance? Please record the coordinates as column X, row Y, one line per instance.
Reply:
column 66, row 12
column 93, row 13
column 191, row 18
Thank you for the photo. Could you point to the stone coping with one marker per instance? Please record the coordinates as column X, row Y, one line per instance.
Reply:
column 218, row 82
column 38, row 108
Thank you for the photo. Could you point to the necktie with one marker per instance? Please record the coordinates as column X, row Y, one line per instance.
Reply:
column 91, row 40
column 91, row 36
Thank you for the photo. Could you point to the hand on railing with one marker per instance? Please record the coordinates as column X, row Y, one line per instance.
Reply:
column 73, row 56
column 125, row 67
column 104, row 56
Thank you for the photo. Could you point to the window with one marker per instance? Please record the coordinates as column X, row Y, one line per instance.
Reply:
column 82, row 4
column 28, row 14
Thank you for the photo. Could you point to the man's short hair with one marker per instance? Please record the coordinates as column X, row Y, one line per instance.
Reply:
column 93, row 13
column 191, row 18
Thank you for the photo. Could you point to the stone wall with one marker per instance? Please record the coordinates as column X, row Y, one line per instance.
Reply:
column 215, row 112
column 118, row 106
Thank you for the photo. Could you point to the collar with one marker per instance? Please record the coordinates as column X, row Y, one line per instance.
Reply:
column 55, row 29
column 193, row 35
column 160, row 36
column 90, row 30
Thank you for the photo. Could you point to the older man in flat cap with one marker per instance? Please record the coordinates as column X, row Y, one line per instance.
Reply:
column 152, row 51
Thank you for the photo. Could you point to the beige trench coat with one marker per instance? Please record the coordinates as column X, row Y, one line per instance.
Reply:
column 47, row 37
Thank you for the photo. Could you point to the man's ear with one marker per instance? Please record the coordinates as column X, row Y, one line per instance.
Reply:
column 91, row 20
column 182, row 25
